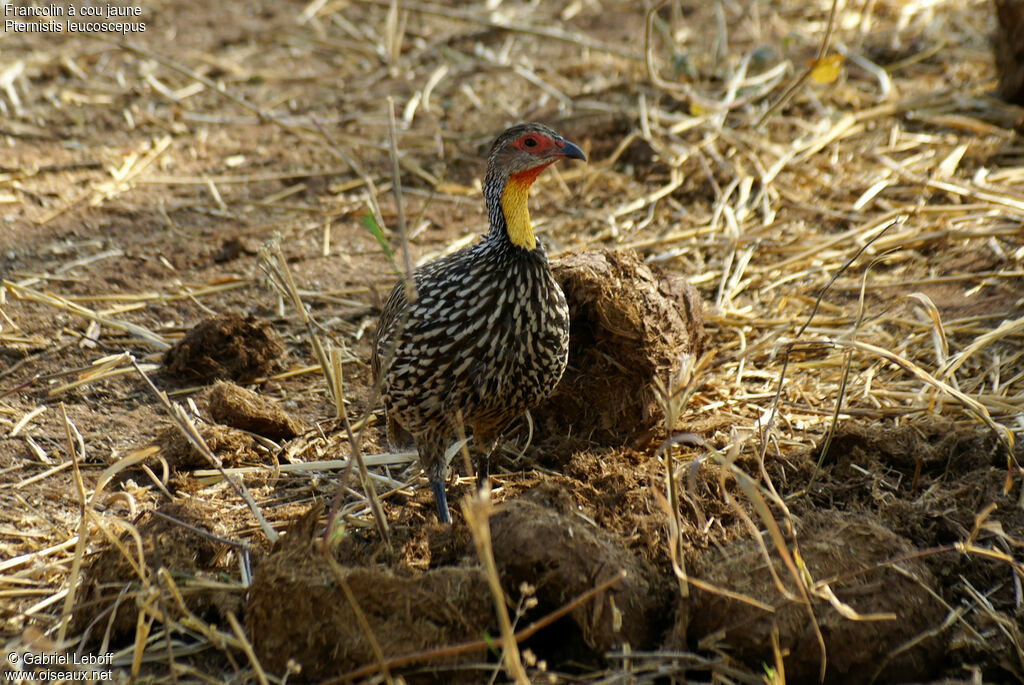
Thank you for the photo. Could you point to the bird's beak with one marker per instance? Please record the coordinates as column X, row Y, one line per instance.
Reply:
column 570, row 151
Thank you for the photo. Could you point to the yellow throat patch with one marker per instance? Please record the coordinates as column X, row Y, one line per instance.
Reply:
column 516, row 210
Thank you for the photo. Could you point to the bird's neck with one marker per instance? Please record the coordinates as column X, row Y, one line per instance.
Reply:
column 508, row 209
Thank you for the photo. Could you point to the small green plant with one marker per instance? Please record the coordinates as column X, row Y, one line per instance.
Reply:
column 369, row 222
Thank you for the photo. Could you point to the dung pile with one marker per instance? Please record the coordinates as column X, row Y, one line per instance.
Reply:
column 300, row 611
column 231, row 446
column 239, row 413
column 871, row 570
column 238, row 407
column 302, row 608
column 629, row 324
column 563, row 556
column 225, row 347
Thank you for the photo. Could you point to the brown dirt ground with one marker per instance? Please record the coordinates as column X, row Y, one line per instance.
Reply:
column 129, row 191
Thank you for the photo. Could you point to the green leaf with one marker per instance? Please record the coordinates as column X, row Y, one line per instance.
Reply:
column 371, row 225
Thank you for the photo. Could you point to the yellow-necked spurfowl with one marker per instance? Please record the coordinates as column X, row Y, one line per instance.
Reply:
column 487, row 335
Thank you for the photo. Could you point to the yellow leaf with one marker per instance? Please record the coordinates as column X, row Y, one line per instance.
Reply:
column 826, row 69
column 696, row 110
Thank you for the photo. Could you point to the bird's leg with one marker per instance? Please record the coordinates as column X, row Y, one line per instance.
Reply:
column 431, row 447
column 483, row 467
column 483, row 460
column 437, row 485
column 488, row 441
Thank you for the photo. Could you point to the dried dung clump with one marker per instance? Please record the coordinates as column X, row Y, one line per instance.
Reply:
column 191, row 560
column 563, row 556
column 1009, row 49
column 931, row 447
column 225, row 346
column 231, row 445
column 850, row 552
column 241, row 408
column 629, row 324
column 299, row 612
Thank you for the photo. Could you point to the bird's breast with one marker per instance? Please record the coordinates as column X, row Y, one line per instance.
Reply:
column 487, row 336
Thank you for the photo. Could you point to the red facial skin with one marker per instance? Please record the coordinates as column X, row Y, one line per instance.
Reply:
column 543, row 145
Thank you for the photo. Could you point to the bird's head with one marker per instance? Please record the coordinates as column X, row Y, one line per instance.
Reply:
column 516, row 159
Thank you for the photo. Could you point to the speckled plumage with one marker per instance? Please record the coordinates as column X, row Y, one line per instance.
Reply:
column 487, row 335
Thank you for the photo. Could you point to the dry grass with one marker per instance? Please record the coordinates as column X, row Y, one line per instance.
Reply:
column 859, row 244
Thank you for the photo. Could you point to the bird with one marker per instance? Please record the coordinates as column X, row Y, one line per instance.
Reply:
column 484, row 336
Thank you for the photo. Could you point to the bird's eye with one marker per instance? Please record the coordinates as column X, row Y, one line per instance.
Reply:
column 530, row 142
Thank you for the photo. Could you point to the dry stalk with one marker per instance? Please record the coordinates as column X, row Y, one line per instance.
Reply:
column 802, row 79
column 477, row 512
column 32, row 295
column 356, row 455
column 777, row 675
column 25, row 420
column 788, row 348
column 250, row 653
column 134, row 165
column 84, row 513
column 186, row 620
column 244, row 558
column 841, row 392
column 384, row 459
column 396, row 187
column 410, row 292
column 667, row 664
column 102, row 370
column 756, row 494
column 672, row 398
column 44, row 475
column 951, row 618
column 273, row 263
column 730, row 594
column 969, row 403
